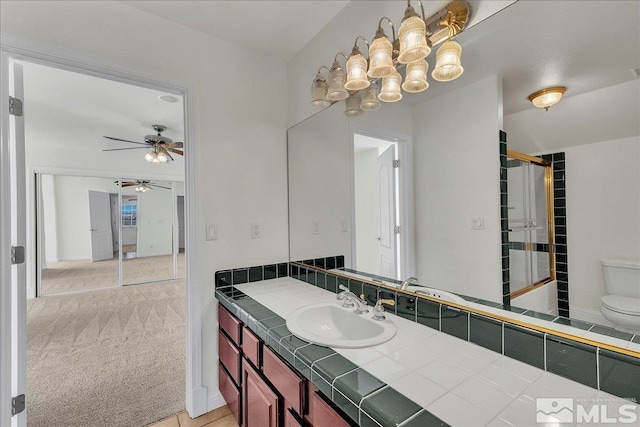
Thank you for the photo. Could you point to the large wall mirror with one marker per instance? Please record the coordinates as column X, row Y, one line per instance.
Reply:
column 438, row 216
column 96, row 233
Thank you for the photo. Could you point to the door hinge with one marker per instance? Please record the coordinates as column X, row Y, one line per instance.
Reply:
column 396, row 229
column 396, row 163
column 15, row 107
column 17, row 404
column 17, row 255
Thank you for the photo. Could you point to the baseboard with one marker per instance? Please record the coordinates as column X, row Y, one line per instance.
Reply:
column 215, row 400
column 590, row 316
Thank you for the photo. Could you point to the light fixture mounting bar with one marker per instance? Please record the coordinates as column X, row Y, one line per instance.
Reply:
column 448, row 22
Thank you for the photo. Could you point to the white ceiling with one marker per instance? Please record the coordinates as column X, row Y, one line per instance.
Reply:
column 73, row 112
column 280, row 28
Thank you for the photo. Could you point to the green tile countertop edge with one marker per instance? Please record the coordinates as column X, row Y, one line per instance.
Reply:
column 348, row 386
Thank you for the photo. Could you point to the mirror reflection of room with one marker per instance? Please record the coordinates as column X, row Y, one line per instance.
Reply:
column 97, row 233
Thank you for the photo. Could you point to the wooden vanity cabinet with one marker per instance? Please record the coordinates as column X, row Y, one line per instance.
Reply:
column 261, row 389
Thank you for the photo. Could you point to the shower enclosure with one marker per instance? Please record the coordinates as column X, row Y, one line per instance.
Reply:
column 530, row 208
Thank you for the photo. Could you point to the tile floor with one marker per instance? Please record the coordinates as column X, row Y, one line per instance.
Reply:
column 220, row 417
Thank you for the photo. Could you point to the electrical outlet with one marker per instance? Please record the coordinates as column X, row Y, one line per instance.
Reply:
column 477, row 223
column 256, row 230
column 315, row 227
column 212, row 232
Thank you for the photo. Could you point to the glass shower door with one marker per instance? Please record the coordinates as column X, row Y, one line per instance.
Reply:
column 529, row 213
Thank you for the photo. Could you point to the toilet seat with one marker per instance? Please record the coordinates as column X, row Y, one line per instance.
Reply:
column 623, row 305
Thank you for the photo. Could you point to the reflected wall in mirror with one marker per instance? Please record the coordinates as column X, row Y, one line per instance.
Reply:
column 451, row 229
column 94, row 235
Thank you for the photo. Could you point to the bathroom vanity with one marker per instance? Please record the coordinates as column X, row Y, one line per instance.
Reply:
column 421, row 377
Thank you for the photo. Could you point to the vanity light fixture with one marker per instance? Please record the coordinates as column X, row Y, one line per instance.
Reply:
column 416, row 35
column 548, row 97
column 357, row 68
column 337, row 80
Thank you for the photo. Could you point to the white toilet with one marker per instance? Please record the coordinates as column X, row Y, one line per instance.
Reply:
column 621, row 305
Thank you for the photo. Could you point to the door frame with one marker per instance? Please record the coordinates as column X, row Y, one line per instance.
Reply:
column 406, row 220
column 13, row 48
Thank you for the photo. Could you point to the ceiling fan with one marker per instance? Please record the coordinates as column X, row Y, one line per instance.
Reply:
column 141, row 185
column 160, row 146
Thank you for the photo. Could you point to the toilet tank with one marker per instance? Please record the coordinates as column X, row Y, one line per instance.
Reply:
column 621, row 277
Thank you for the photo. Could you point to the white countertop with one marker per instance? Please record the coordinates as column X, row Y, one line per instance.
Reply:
column 458, row 381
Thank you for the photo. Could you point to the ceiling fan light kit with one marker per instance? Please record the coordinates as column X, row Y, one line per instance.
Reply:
column 416, row 36
column 160, row 146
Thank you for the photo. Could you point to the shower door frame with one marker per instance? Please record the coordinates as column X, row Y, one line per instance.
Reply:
column 548, row 185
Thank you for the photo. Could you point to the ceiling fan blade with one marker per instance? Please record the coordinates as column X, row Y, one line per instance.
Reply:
column 175, row 145
column 173, row 150
column 125, row 140
column 129, row 148
column 129, row 184
column 159, row 186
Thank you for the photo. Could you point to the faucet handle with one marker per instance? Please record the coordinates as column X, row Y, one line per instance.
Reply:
column 378, row 310
column 385, row 301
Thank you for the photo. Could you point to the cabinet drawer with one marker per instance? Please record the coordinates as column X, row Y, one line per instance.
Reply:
column 230, row 356
column 286, row 381
column 251, row 346
column 229, row 324
column 230, row 393
column 323, row 414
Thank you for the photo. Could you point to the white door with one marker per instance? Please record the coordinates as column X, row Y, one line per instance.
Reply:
column 100, row 223
column 386, row 192
column 13, row 284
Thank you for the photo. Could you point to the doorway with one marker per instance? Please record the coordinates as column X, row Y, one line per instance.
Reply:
column 26, row 196
column 377, row 206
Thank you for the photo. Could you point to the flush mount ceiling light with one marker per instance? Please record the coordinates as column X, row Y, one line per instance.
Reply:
column 416, row 36
column 169, row 98
column 547, row 97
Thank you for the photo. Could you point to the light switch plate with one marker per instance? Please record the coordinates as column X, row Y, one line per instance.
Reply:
column 344, row 226
column 212, row 232
column 256, row 230
column 315, row 227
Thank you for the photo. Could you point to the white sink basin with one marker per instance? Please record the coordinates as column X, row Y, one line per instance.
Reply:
column 332, row 325
column 437, row 293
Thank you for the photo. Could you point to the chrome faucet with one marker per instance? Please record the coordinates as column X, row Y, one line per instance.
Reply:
column 351, row 300
column 405, row 284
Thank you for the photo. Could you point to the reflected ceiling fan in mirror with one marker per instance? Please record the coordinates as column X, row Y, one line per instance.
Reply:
column 160, row 146
column 141, row 185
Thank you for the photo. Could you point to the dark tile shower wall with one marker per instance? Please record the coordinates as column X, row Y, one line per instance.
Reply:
column 504, row 221
column 560, row 221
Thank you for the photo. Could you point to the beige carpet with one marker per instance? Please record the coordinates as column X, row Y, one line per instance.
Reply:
column 73, row 276
column 113, row 357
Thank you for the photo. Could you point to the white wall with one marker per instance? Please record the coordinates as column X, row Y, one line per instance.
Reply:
column 603, row 213
column 241, row 113
column 319, row 190
column 48, row 212
column 155, row 222
column 367, row 218
column 71, row 203
column 456, row 158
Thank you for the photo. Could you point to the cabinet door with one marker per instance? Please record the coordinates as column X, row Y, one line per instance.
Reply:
column 323, row 414
column 260, row 403
column 291, row 420
column 230, row 393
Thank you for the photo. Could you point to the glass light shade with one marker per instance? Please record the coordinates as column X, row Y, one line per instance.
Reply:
column 548, row 97
column 352, row 108
column 162, row 157
column 319, row 90
column 380, row 58
column 416, row 77
column 357, row 73
column 155, row 161
column 337, row 79
column 448, row 62
column 390, row 91
column 150, row 156
column 413, row 40
column 370, row 101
